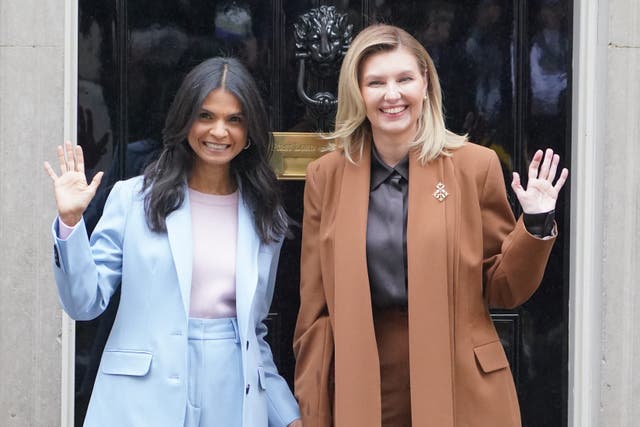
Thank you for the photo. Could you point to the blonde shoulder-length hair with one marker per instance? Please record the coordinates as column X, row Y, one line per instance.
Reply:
column 353, row 130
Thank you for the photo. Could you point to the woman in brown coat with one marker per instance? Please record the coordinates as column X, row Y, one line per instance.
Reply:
column 408, row 240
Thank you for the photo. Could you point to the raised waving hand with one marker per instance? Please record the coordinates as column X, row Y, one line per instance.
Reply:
column 541, row 193
column 71, row 189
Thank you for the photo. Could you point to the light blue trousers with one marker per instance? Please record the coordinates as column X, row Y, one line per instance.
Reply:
column 215, row 388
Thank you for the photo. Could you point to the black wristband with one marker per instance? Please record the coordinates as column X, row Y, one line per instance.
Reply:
column 540, row 224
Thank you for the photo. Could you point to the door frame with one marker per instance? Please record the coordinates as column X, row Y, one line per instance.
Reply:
column 590, row 35
column 68, row 344
column 590, row 30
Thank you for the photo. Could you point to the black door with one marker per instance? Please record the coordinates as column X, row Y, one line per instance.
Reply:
column 505, row 71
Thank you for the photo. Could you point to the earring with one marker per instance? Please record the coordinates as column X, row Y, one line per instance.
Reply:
column 246, row 147
column 426, row 98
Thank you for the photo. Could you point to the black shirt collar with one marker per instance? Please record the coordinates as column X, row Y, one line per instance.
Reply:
column 380, row 171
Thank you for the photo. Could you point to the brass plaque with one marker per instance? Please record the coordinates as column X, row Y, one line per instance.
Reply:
column 294, row 150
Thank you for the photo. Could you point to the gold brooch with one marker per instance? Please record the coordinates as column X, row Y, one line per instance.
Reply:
column 440, row 192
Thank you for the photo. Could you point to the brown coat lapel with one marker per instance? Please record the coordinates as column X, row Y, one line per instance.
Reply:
column 428, row 271
column 353, row 315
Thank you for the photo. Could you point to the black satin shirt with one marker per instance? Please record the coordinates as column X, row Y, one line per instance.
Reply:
column 387, row 232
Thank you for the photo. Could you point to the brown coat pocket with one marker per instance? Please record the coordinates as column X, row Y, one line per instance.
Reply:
column 491, row 357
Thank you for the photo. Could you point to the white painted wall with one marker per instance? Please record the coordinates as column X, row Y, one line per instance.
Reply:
column 620, row 375
column 31, row 117
column 605, row 253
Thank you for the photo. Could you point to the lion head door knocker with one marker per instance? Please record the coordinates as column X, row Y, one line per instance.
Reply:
column 322, row 38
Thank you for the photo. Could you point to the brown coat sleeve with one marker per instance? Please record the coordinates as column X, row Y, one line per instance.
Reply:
column 313, row 338
column 514, row 260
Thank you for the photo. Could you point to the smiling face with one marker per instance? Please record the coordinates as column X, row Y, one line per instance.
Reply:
column 218, row 134
column 393, row 89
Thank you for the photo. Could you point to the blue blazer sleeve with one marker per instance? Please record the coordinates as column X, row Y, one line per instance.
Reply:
column 88, row 272
column 283, row 407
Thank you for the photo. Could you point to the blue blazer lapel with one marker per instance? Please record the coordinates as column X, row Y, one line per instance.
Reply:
column 179, row 232
column 246, row 265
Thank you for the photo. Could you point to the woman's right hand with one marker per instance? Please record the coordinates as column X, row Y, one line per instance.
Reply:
column 72, row 192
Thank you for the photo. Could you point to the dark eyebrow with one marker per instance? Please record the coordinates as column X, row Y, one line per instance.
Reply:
column 238, row 113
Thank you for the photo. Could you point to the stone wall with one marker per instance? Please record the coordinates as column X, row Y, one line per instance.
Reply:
column 31, row 123
column 620, row 375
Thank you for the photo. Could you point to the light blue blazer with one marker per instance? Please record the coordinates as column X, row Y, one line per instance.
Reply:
column 142, row 376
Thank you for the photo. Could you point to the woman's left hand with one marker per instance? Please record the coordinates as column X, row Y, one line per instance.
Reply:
column 296, row 423
column 541, row 194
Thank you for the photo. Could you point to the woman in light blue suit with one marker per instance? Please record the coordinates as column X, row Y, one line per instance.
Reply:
column 194, row 245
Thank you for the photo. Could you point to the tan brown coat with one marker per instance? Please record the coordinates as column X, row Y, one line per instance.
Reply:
column 465, row 254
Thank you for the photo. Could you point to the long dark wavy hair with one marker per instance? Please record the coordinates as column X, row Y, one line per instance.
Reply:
column 164, row 179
